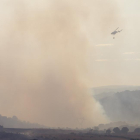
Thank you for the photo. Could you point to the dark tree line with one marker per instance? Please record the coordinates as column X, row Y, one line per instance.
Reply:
column 117, row 130
column 124, row 130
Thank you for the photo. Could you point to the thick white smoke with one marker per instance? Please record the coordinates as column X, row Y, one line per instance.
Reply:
column 43, row 61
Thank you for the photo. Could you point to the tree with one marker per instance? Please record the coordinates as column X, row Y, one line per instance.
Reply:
column 15, row 118
column 137, row 130
column 124, row 130
column 108, row 132
column 117, row 130
column 96, row 128
column 1, row 128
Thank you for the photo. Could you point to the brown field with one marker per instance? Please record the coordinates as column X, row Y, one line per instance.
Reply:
column 77, row 137
column 59, row 134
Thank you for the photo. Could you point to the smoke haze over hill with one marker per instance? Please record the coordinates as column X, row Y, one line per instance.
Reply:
column 14, row 122
column 122, row 106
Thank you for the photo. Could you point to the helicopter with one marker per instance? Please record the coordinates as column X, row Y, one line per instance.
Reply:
column 115, row 32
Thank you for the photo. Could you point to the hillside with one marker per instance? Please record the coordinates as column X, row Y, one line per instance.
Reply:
column 14, row 122
column 122, row 106
column 101, row 92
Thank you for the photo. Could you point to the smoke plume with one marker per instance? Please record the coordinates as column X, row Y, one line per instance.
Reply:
column 43, row 74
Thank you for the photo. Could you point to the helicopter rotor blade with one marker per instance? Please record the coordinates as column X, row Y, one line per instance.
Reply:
column 117, row 28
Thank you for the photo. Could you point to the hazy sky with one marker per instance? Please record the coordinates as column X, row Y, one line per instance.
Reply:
column 117, row 61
